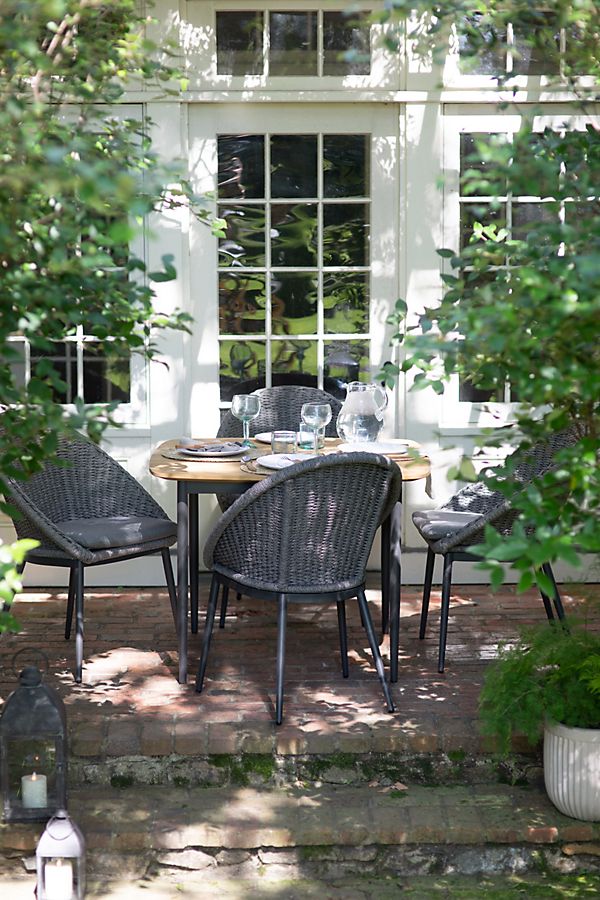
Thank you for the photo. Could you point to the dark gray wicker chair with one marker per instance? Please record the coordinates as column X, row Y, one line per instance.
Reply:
column 86, row 511
column 279, row 408
column 304, row 535
column 460, row 523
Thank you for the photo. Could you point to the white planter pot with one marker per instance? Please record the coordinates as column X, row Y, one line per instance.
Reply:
column 572, row 770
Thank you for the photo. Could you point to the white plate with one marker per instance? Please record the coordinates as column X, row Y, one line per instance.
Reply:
column 396, row 447
column 264, row 437
column 282, row 460
column 214, row 450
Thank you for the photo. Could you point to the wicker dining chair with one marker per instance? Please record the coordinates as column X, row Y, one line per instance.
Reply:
column 86, row 510
column 280, row 408
column 452, row 529
column 304, row 536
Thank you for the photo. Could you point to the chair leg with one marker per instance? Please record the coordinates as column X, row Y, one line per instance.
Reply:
column 281, row 624
column 341, row 613
column 560, row 610
column 166, row 558
column 70, row 604
column 224, row 602
column 78, row 587
column 208, row 628
column 426, row 591
column 445, row 610
column 366, row 616
column 193, row 560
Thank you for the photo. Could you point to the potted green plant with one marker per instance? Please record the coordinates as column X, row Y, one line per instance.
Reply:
column 548, row 682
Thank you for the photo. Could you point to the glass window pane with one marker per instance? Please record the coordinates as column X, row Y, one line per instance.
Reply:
column 241, row 166
column 106, row 374
column 482, row 214
column 239, row 43
column 346, row 44
column 346, row 302
column 524, row 215
column 347, row 361
column 242, row 303
column 244, row 241
column 293, row 47
column 63, row 360
column 293, row 234
column 346, row 169
column 294, row 303
column 294, row 358
column 476, row 151
column 240, row 361
column 294, row 165
column 536, row 51
column 345, row 234
column 482, row 49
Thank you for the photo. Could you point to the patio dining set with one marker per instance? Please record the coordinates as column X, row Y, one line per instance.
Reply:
column 299, row 533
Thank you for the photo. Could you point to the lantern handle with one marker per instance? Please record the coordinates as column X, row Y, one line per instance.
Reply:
column 35, row 652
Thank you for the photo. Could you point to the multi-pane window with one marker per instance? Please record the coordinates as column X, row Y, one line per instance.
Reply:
column 299, row 43
column 510, row 50
column 505, row 205
column 294, row 265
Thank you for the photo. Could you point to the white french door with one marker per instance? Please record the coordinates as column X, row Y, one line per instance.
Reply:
column 300, row 286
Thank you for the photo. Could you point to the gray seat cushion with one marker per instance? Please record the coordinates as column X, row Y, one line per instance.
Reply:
column 436, row 524
column 117, row 531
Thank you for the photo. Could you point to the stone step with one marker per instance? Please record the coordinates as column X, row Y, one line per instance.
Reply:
column 168, row 835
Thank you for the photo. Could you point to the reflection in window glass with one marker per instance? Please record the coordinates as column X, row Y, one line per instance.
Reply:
column 239, row 43
column 347, row 361
column 294, row 303
column 240, row 361
column 345, row 171
column 293, row 43
column 314, row 270
column 106, row 374
column 474, row 157
column 525, row 214
column 346, row 44
column 529, row 55
column 346, row 302
column 295, row 358
column 345, row 234
column 244, row 241
column 64, row 363
column 294, row 165
column 242, row 303
column 293, row 234
column 481, row 214
column 483, row 51
column 241, row 173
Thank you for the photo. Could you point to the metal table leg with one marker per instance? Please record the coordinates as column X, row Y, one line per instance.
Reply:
column 182, row 577
column 194, row 559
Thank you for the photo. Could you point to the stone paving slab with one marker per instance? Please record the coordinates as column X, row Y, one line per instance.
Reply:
column 169, row 819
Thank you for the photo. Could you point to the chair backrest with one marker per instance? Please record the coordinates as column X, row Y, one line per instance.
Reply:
column 280, row 408
column 522, row 467
column 81, row 482
column 308, row 528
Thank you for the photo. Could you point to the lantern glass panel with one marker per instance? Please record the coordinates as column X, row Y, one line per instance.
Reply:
column 32, row 790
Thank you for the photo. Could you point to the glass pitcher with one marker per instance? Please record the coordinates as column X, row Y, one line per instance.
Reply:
column 361, row 416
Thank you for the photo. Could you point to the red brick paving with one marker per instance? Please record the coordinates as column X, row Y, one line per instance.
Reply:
column 130, row 701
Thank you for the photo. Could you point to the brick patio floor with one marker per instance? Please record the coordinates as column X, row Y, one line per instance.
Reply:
column 130, row 702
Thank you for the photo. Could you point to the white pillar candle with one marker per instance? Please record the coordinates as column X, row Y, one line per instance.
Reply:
column 34, row 791
column 58, row 880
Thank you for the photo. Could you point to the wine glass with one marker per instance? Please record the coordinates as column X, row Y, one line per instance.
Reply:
column 245, row 407
column 316, row 416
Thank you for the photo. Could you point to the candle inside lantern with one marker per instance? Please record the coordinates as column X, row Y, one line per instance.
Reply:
column 58, row 880
column 34, row 791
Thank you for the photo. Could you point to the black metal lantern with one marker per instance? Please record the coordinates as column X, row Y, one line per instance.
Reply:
column 60, row 860
column 33, row 750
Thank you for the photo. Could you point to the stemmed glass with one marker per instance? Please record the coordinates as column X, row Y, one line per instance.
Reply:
column 245, row 407
column 316, row 416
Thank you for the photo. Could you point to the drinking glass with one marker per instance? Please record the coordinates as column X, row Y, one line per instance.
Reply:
column 316, row 416
column 246, row 407
column 283, row 442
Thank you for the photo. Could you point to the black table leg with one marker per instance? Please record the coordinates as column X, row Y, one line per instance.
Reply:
column 194, row 559
column 395, row 545
column 182, row 577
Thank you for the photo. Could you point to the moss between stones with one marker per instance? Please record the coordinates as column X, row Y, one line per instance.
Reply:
column 122, row 781
column 241, row 768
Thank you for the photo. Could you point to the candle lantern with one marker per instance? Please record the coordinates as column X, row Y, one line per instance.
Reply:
column 60, row 859
column 33, row 753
